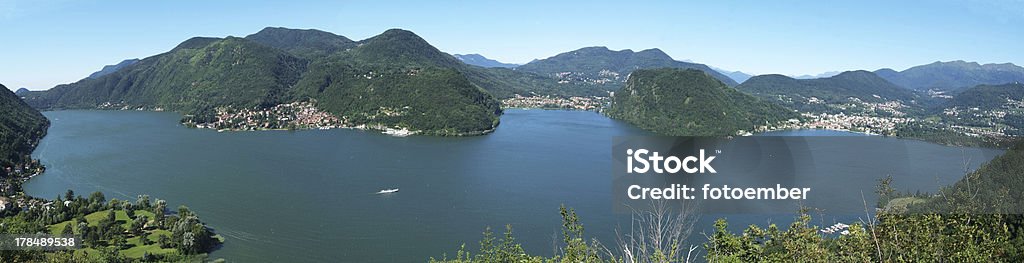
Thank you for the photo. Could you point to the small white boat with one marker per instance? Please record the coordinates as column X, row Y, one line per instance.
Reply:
column 388, row 191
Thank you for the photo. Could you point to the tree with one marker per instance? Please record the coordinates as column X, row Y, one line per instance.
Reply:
column 164, row 242
column 97, row 198
column 138, row 224
column 143, row 202
column 144, row 238
column 68, row 230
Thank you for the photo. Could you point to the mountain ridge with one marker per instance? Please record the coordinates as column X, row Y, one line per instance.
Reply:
column 400, row 79
column 860, row 84
column 482, row 61
column 600, row 65
column 953, row 75
column 111, row 68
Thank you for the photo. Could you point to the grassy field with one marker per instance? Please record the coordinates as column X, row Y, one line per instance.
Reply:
column 135, row 248
column 900, row 204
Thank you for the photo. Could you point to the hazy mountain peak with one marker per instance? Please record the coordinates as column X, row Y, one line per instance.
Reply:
column 481, row 61
column 818, row 76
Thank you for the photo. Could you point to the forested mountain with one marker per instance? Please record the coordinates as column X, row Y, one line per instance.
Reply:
column 21, row 91
column 395, row 79
column 989, row 97
column 481, row 61
column 860, row 84
column 398, row 78
column 21, row 128
column 111, row 68
column 603, row 67
column 304, row 43
column 953, row 75
column 689, row 102
column 197, row 75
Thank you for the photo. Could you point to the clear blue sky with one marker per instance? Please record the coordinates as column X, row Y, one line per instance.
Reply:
column 47, row 42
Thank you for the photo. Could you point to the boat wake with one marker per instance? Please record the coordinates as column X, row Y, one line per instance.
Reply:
column 388, row 191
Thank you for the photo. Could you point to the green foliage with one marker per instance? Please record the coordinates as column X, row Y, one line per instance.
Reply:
column 988, row 97
column 308, row 44
column 21, row 128
column 690, row 103
column 975, row 220
column 994, row 188
column 109, row 234
column 888, row 238
column 436, row 100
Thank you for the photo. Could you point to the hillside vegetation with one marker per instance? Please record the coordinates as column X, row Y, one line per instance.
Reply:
column 393, row 80
column 688, row 102
column 953, row 75
column 21, row 128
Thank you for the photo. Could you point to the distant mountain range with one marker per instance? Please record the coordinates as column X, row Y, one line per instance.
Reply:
column 818, row 76
column 863, row 85
column 738, row 76
column 111, row 68
column 481, row 61
column 603, row 67
column 689, row 102
column 953, row 75
column 397, row 79
column 21, row 91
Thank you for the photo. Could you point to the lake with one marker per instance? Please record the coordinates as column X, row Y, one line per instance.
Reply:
column 310, row 195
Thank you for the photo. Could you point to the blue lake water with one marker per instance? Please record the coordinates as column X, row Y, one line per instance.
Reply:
column 309, row 195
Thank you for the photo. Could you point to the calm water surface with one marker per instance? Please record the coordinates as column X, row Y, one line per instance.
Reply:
column 309, row 195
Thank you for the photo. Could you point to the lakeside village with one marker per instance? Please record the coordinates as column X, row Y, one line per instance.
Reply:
column 855, row 115
column 290, row 116
column 11, row 195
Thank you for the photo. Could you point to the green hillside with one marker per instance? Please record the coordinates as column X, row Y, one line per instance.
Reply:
column 304, row 43
column 688, row 102
column 989, row 96
column 400, row 47
column 21, row 128
column 799, row 93
column 438, row 101
column 995, row 187
column 395, row 79
column 953, row 75
column 199, row 74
